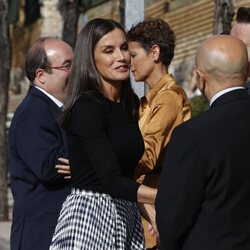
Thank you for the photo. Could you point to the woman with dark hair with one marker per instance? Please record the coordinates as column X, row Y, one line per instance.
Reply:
column 151, row 45
column 105, row 145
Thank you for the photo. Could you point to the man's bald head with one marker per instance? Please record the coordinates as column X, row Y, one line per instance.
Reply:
column 223, row 62
column 40, row 53
column 48, row 64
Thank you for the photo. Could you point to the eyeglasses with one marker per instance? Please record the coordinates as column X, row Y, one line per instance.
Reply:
column 62, row 67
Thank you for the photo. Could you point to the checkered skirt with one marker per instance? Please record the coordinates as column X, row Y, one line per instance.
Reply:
column 94, row 221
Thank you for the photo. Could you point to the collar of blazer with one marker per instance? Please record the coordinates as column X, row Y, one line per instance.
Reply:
column 39, row 94
column 231, row 96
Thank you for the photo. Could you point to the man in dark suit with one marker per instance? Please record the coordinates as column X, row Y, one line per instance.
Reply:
column 36, row 143
column 203, row 198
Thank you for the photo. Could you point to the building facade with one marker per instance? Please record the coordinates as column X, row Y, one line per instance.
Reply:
column 191, row 20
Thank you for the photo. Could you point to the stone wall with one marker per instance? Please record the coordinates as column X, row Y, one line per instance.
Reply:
column 51, row 19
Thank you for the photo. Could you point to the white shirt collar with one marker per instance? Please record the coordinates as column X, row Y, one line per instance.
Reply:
column 222, row 92
column 57, row 102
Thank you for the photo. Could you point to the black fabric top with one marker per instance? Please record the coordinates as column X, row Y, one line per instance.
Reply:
column 105, row 146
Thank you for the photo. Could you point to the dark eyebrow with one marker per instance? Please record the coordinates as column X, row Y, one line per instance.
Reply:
column 112, row 46
column 107, row 46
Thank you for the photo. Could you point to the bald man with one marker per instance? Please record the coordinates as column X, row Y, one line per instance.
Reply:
column 36, row 143
column 203, row 201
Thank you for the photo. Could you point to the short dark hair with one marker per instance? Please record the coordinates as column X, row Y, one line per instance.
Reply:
column 37, row 58
column 154, row 32
column 243, row 15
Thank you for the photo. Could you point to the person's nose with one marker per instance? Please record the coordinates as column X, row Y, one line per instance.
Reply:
column 121, row 56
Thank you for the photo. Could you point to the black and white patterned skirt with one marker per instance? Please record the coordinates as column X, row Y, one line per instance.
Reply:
column 94, row 221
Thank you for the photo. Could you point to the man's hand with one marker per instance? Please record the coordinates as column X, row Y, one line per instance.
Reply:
column 64, row 168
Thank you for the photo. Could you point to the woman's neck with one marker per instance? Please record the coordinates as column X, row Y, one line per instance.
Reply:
column 156, row 75
column 112, row 91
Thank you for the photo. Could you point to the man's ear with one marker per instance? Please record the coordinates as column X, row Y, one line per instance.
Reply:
column 155, row 52
column 40, row 76
column 201, row 80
